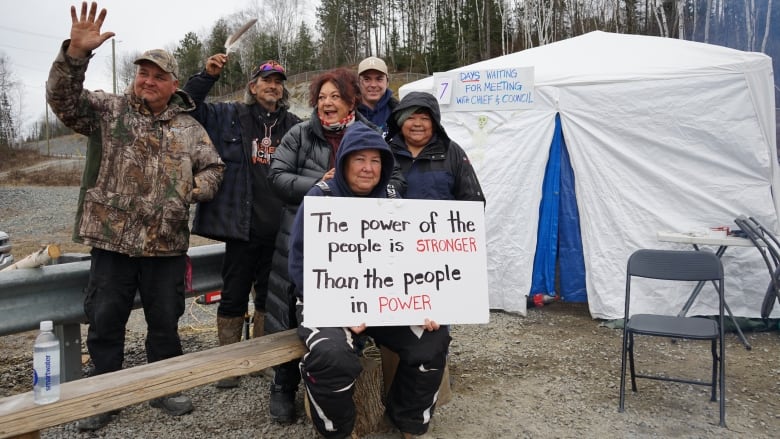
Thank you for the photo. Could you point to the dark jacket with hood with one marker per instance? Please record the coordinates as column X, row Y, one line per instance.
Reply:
column 380, row 114
column 244, row 201
column 442, row 170
column 301, row 160
column 357, row 137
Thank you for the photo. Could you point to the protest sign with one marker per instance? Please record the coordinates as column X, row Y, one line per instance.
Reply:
column 510, row 88
column 388, row 262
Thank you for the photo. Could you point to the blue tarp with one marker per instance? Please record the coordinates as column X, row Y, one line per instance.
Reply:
column 558, row 239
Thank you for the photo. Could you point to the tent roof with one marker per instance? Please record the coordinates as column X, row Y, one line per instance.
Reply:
column 663, row 135
column 608, row 57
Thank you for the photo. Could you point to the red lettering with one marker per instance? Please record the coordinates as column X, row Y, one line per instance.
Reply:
column 454, row 245
column 420, row 302
column 382, row 303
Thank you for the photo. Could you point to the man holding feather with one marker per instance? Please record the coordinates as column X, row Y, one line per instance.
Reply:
column 245, row 214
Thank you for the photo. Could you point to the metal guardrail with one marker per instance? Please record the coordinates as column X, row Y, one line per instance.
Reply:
column 55, row 292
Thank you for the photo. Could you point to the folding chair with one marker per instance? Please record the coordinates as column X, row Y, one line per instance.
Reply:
column 674, row 265
column 769, row 247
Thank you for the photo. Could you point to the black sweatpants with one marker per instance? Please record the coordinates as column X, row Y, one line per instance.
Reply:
column 332, row 365
column 114, row 279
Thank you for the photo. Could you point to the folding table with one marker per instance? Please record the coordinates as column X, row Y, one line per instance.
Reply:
column 723, row 242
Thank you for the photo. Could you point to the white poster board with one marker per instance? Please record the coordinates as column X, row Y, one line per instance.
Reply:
column 510, row 88
column 388, row 262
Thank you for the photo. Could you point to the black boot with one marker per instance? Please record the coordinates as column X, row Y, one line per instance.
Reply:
column 282, row 405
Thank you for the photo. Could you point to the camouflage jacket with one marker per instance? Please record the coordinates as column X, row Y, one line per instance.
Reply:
column 137, row 201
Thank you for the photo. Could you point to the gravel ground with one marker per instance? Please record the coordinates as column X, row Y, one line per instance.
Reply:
column 37, row 214
column 552, row 373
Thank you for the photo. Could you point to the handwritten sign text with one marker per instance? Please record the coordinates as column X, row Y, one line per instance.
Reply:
column 393, row 262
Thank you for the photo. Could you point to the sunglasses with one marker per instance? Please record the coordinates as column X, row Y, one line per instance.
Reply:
column 268, row 66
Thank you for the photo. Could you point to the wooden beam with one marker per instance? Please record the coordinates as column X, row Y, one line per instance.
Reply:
column 42, row 256
column 115, row 390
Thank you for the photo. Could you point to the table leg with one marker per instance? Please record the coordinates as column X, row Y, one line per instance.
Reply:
column 697, row 290
column 691, row 298
column 739, row 330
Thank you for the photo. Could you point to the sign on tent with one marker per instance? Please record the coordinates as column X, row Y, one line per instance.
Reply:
column 493, row 89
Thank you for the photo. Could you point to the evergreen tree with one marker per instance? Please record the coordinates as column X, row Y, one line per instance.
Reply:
column 232, row 77
column 444, row 49
column 337, row 23
column 262, row 48
column 189, row 55
column 304, row 52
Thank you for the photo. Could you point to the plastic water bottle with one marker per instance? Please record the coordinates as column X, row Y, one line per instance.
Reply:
column 46, row 365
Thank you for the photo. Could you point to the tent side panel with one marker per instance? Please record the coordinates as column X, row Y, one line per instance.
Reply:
column 509, row 151
column 676, row 154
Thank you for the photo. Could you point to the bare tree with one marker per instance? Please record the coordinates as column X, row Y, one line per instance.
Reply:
column 280, row 19
column 125, row 70
column 680, row 19
column 616, row 11
column 503, row 12
column 767, row 26
column 529, row 18
column 9, row 116
column 660, row 16
column 750, row 24
column 544, row 12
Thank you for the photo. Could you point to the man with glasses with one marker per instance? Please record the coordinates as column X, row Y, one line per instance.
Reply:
column 376, row 100
column 245, row 213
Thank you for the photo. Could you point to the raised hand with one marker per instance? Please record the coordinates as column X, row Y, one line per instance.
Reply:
column 85, row 33
column 215, row 64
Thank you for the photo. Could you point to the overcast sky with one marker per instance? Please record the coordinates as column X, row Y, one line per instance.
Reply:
column 31, row 32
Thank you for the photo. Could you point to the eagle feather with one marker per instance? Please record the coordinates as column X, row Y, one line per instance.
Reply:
column 232, row 42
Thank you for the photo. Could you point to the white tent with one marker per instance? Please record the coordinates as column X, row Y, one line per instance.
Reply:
column 663, row 135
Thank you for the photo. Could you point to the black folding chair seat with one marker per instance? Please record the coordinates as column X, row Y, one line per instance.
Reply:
column 675, row 265
column 694, row 328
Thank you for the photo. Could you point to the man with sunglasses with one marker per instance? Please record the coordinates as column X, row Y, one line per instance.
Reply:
column 245, row 213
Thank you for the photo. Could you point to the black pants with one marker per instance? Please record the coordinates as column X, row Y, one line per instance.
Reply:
column 332, row 365
column 114, row 279
column 287, row 375
column 245, row 264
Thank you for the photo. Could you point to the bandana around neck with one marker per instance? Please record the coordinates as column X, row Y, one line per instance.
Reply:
column 340, row 125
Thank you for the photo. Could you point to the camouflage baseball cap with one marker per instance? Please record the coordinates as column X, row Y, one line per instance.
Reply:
column 162, row 59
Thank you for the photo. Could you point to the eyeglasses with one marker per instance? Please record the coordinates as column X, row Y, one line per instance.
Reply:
column 268, row 66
